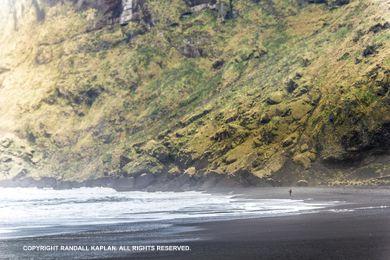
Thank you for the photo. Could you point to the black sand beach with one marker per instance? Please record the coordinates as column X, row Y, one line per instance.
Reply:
column 357, row 229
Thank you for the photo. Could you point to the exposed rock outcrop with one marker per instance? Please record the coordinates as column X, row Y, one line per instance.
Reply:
column 198, row 5
column 208, row 92
column 135, row 11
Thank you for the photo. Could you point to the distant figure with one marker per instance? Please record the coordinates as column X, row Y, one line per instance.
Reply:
column 290, row 191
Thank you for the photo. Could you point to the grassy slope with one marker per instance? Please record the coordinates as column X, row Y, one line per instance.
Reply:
column 96, row 105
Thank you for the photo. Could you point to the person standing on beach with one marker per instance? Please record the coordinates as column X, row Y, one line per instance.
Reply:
column 290, row 191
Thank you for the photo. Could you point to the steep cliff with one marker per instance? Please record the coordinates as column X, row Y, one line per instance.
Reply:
column 257, row 92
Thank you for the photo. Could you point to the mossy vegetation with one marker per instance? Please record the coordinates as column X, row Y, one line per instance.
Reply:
column 278, row 90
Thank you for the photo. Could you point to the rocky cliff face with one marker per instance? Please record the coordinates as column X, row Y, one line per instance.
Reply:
column 109, row 12
column 252, row 92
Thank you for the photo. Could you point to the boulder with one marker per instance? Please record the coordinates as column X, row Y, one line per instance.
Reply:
column 275, row 98
column 6, row 143
column 265, row 119
column 190, row 171
column 135, row 11
column 21, row 174
column 299, row 109
column 174, row 170
column 374, row 29
column 5, row 159
column 370, row 50
column 192, row 3
column 289, row 141
column 110, row 10
column 123, row 161
column 199, row 5
column 291, row 85
column 302, row 183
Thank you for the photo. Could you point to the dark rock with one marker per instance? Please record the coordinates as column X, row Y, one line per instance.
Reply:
column 66, row 185
column 196, row 44
column 123, row 184
column 380, row 138
column 123, row 161
column 39, row 12
column 337, row 3
column 158, row 151
column 379, row 27
column 192, row 3
column 265, row 119
column 185, row 15
column 223, row 134
column 275, row 98
column 179, row 135
column 291, row 86
column 226, row 10
column 191, row 51
column 3, row 70
column 218, row 64
column 135, row 11
column 229, row 160
column 298, row 76
column 87, row 97
column 5, row 159
column 164, row 134
column 231, row 119
column 301, row 91
column 47, row 182
column 110, row 10
column 267, row 137
column 211, row 180
column 305, row 62
column 144, row 180
column 179, row 183
column 21, row 174
column 331, row 118
column 370, row 50
column 174, row 24
column 288, row 141
column 329, row 3
column 30, row 136
column 195, row 117
column 317, row 1
column 358, row 61
column 283, row 111
column 358, row 142
column 359, row 34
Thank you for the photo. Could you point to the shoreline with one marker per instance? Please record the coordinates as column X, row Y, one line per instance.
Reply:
column 162, row 183
column 358, row 228
column 182, row 182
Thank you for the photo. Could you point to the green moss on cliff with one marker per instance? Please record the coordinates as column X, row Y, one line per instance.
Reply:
column 272, row 92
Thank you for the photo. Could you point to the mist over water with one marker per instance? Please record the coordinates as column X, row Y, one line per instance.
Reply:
column 34, row 212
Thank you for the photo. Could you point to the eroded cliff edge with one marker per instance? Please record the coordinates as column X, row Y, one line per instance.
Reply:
column 252, row 92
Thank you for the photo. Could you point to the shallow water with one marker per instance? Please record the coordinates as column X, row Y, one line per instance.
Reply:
column 28, row 212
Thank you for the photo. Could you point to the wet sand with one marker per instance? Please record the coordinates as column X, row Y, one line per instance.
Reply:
column 357, row 229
